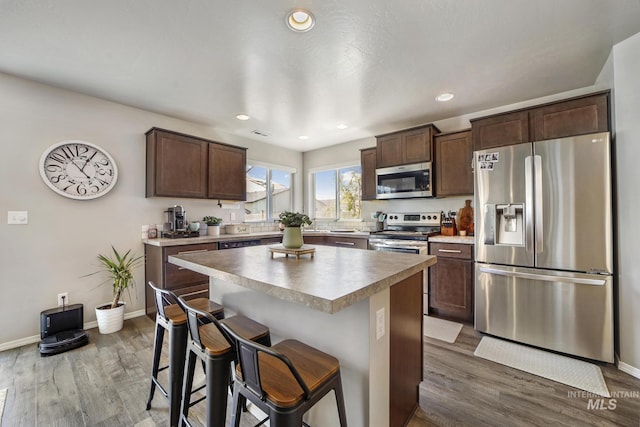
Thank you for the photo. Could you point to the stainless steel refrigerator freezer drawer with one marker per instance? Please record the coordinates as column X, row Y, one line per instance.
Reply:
column 562, row 311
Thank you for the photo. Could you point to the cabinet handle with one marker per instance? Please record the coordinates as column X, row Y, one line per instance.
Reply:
column 450, row 251
column 345, row 243
column 193, row 252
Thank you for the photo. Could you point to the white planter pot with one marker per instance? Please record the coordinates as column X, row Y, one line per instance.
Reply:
column 213, row 230
column 110, row 320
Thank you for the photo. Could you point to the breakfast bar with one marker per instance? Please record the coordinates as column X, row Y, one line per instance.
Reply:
column 363, row 307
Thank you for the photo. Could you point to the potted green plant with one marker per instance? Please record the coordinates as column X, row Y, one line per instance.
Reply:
column 293, row 222
column 213, row 225
column 119, row 268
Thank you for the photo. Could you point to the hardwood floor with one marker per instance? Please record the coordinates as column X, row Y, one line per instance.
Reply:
column 464, row 390
column 106, row 383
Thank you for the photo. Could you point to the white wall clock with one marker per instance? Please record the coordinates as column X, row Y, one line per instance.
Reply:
column 78, row 170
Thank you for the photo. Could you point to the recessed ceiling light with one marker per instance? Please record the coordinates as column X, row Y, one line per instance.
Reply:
column 444, row 97
column 342, row 126
column 303, row 137
column 300, row 20
column 242, row 117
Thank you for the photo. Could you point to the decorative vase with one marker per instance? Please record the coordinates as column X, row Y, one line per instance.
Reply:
column 110, row 319
column 204, row 229
column 213, row 230
column 292, row 238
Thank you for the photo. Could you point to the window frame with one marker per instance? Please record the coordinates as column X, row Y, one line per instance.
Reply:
column 312, row 189
column 269, row 202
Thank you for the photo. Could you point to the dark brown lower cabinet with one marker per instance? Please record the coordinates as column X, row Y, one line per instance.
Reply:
column 451, row 281
column 182, row 281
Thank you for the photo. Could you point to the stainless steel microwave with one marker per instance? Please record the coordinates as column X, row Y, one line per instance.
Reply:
column 403, row 182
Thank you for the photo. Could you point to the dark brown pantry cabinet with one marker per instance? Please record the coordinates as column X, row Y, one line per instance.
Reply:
column 183, row 282
column 575, row 116
column 451, row 281
column 180, row 165
column 453, row 158
column 368, row 167
column 405, row 147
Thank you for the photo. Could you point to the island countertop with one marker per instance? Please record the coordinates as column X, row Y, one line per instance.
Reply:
column 332, row 280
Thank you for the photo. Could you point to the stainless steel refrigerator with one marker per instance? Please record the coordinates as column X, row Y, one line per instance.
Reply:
column 544, row 250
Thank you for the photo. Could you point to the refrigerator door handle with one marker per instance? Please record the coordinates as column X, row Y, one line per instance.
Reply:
column 528, row 186
column 537, row 169
column 543, row 277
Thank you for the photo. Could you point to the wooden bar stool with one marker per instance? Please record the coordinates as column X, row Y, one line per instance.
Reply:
column 210, row 343
column 284, row 380
column 171, row 317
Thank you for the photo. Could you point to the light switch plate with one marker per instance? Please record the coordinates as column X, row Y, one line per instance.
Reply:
column 18, row 217
column 380, row 323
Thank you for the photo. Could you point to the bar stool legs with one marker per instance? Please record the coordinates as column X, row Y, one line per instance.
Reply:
column 172, row 319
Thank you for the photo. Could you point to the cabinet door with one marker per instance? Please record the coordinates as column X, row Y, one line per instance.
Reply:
column 227, row 172
column 416, row 146
column 389, row 150
column 453, row 156
column 176, row 165
column 498, row 131
column 574, row 117
column 451, row 281
column 368, row 165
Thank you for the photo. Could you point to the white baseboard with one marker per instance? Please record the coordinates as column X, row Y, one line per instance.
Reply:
column 36, row 338
column 633, row 371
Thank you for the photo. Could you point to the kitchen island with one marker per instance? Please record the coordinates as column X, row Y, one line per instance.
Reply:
column 364, row 307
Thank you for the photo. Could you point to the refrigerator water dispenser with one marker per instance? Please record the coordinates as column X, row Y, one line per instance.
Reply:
column 504, row 225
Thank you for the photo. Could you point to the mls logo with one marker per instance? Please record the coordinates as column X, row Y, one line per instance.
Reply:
column 600, row 404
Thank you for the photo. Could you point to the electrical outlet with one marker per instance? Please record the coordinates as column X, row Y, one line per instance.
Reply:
column 63, row 299
column 232, row 216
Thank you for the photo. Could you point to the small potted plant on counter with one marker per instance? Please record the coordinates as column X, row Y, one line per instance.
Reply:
column 119, row 267
column 213, row 225
column 293, row 222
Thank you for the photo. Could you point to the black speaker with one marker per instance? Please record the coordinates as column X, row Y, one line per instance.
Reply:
column 61, row 329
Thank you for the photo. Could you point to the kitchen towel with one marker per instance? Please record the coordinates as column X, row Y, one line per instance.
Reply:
column 566, row 370
column 441, row 329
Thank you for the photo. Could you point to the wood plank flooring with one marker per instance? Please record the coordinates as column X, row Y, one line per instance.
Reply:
column 463, row 390
column 106, row 383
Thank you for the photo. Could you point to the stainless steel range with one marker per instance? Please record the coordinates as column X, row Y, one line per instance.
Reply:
column 406, row 232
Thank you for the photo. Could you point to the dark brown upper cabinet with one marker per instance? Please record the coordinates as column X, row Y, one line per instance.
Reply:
column 453, row 158
column 575, row 116
column 180, row 165
column 405, row 147
column 227, row 172
column 368, row 170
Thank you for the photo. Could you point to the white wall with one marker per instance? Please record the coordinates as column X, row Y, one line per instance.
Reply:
column 59, row 245
column 626, row 69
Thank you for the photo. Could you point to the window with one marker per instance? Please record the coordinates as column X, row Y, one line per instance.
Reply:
column 337, row 193
column 268, row 192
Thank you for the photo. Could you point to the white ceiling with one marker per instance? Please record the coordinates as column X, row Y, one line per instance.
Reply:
column 375, row 65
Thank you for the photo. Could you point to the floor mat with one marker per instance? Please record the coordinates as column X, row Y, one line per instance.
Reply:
column 441, row 329
column 566, row 370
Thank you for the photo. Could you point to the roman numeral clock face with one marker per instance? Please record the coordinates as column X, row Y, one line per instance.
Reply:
column 78, row 170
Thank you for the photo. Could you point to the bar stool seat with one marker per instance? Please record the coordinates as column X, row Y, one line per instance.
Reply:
column 212, row 346
column 170, row 317
column 284, row 380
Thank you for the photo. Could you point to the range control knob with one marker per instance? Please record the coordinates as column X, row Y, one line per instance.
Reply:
column 425, row 217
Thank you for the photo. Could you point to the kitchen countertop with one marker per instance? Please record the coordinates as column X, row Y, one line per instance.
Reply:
column 466, row 240
column 332, row 280
column 163, row 241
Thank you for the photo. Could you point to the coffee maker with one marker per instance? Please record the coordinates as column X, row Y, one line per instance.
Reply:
column 177, row 218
